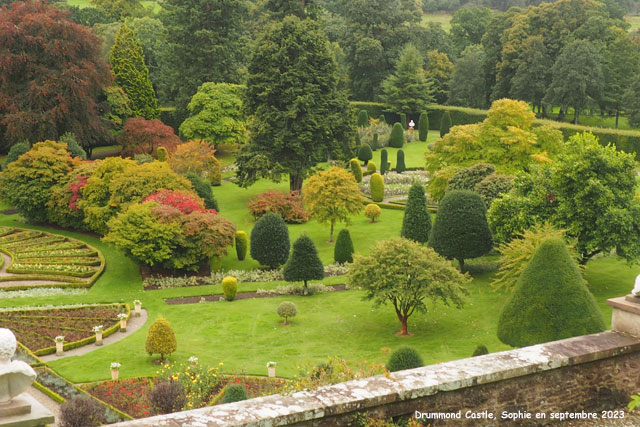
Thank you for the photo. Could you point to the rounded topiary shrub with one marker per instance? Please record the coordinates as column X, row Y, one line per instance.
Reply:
column 81, row 411
column 270, row 241
column 287, row 309
column 372, row 211
column 384, row 162
column 396, row 140
column 163, row 154
column 423, row 126
column 363, row 118
column 400, row 167
column 167, row 397
column 160, row 338
column 404, row 358
column 480, row 350
column 371, row 168
column 234, row 393
column 377, row 187
column 343, row 252
column 230, row 288
column 356, row 170
column 364, row 153
column 416, row 222
column 242, row 245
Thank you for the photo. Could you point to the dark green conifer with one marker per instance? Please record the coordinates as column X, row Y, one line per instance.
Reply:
column 423, row 126
column 445, row 124
column 384, row 161
column 400, row 167
column 270, row 241
column 343, row 251
column 396, row 140
column 304, row 263
column 416, row 223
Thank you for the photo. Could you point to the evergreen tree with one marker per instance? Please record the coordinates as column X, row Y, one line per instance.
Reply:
column 400, row 167
column 461, row 230
column 384, row 161
column 416, row 222
column 550, row 302
column 439, row 70
column 408, row 89
column 343, row 252
column 533, row 74
column 270, row 241
column 132, row 75
column 304, row 263
column 445, row 124
column 365, row 154
column 423, row 126
column 468, row 86
column 203, row 189
column 396, row 140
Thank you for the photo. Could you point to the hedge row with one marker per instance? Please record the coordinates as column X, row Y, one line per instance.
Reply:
column 624, row 140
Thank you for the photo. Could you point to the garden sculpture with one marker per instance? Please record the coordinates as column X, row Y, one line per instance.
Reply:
column 15, row 376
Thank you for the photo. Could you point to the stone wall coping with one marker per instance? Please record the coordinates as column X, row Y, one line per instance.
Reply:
column 368, row 393
column 623, row 303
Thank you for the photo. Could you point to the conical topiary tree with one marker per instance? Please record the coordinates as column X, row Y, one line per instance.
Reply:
column 363, row 118
column 364, row 153
column 384, row 161
column 550, row 301
column 396, row 140
column 416, row 223
column 403, row 120
column 160, row 338
column 270, row 241
column 375, row 144
column 461, row 230
column 304, row 263
column 400, row 167
column 376, row 184
column 445, row 124
column 343, row 252
column 423, row 126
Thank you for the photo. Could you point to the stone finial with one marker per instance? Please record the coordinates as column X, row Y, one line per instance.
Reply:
column 15, row 376
column 636, row 287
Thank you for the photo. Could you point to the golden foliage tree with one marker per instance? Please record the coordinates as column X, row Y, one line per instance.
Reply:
column 160, row 338
column 192, row 157
column 332, row 196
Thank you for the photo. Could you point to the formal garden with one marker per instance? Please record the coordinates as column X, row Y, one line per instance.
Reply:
column 323, row 203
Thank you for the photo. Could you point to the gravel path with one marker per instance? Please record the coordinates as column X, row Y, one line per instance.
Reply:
column 133, row 325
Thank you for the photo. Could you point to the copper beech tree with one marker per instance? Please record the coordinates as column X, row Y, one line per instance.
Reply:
column 404, row 273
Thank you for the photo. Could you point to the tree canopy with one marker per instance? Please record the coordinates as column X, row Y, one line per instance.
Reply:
column 407, row 90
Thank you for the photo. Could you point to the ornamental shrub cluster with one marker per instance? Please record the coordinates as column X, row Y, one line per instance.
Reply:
column 288, row 206
column 167, row 397
column 234, row 393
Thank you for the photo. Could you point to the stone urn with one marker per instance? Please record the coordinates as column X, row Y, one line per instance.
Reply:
column 271, row 369
column 59, row 347
column 115, row 373
column 123, row 322
column 137, row 306
column 98, row 338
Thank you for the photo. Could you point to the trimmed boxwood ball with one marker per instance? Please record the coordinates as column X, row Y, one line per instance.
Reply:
column 242, row 244
column 480, row 350
column 363, row 118
column 404, row 358
column 461, row 230
column 377, row 187
column 372, row 211
column 160, row 338
column 445, row 124
column 230, row 288
column 416, row 222
column 356, row 170
column 203, row 189
column 384, row 161
column 396, row 140
column 400, row 167
column 343, row 252
column 286, row 309
column 423, row 126
column 550, row 302
column 270, row 241
column 16, row 151
column 304, row 263
column 234, row 393
column 364, row 153
column 371, row 168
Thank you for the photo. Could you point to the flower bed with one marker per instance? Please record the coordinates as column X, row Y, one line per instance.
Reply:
column 37, row 328
column 130, row 396
column 257, row 386
column 397, row 184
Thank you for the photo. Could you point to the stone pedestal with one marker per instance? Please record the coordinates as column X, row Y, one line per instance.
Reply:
column 24, row 411
column 626, row 314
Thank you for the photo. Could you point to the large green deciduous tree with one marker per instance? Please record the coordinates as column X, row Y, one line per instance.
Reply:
column 468, row 25
column 438, row 70
column 407, row 90
column 405, row 274
column 533, row 72
column 132, row 75
column 467, row 86
column 550, row 302
column 300, row 117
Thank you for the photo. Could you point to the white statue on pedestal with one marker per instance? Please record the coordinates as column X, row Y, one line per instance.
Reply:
column 636, row 287
column 15, row 376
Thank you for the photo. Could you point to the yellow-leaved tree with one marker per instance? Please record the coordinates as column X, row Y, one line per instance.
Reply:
column 332, row 196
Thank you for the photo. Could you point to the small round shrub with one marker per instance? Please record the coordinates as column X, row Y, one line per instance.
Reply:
column 397, row 136
column 234, row 393
column 372, row 211
column 242, row 244
column 363, row 118
column 480, row 350
column 270, row 241
column 343, row 252
column 203, row 189
column 287, row 309
column 384, row 161
column 404, row 358
column 167, row 397
column 377, row 187
column 163, row 154
column 364, row 153
column 423, row 126
column 445, row 124
column 160, row 338
column 356, row 170
column 400, row 167
column 81, row 411
column 16, row 151
column 230, row 288
column 371, row 168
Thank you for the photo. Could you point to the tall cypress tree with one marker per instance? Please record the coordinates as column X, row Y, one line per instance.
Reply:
column 384, row 161
column 416, row 223
column 423, row 126
column 132, row 75
column 445, row 124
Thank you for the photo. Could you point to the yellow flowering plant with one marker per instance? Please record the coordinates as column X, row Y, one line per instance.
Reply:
column 200, row 383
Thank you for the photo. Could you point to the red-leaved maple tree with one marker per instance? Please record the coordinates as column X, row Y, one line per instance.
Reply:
column 142, row 136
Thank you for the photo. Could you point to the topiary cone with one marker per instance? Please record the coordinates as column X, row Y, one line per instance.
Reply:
column 160, row 338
